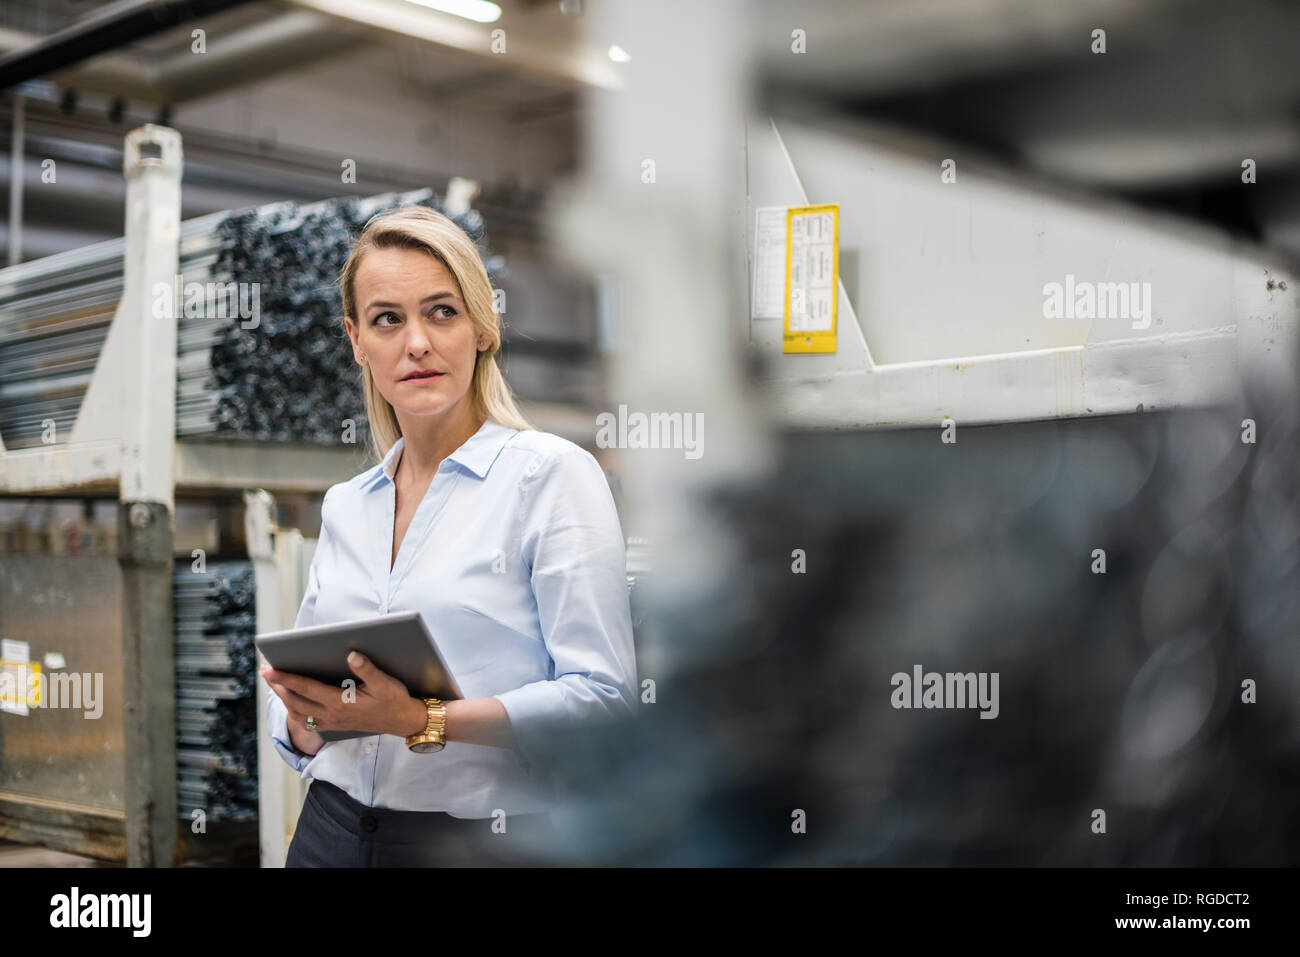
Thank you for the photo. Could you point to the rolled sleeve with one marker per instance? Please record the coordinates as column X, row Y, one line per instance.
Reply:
column 572, row 544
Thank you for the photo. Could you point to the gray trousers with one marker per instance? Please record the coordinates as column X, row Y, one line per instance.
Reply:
column 334, row 830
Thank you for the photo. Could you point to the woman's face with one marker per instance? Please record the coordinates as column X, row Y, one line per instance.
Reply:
column 411, row 319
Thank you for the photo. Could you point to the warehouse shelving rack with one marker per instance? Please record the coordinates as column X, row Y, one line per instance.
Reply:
column 125, row 432
column 124, row 441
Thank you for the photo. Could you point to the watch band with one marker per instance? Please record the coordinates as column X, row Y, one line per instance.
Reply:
column 434, row 735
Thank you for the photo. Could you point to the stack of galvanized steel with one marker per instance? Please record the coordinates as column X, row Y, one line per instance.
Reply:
column 216, row 717
column 273, row 377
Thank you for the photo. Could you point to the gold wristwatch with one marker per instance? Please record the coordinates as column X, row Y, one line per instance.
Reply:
column 434, row 736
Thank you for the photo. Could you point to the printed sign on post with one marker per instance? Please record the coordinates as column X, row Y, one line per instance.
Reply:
column 812, row 264
column 768, row 300
column 18, row 685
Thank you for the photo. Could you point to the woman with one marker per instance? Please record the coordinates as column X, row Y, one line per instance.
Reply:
column 505, row 539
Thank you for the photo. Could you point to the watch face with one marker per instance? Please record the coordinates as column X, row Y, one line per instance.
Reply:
column 426, row 747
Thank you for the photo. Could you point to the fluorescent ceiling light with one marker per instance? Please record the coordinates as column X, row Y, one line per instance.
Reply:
column 478, row 10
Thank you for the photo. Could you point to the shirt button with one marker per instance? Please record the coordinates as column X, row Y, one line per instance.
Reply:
column 370, row 748
column 368, row 823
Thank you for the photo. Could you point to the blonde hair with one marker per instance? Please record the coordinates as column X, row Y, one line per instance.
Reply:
column 419, row 227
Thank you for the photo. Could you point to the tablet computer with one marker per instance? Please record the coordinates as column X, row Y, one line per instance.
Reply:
column 399, row 644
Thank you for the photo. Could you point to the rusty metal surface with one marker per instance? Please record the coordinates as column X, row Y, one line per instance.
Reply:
column 68, row 606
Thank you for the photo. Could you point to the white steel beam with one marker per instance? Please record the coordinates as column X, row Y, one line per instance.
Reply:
column 57, row 467
column 132, row 393
column 1144, row 375
column 242, row 465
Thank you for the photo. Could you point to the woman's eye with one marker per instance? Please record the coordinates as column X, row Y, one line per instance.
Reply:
column 437, row 313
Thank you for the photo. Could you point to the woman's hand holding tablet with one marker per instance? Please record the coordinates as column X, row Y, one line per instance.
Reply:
column 378, row 704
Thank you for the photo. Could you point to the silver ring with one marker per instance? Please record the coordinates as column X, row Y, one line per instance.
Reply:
column 311, row 723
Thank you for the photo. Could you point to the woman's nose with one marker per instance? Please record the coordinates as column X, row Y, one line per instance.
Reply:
column 417, row 340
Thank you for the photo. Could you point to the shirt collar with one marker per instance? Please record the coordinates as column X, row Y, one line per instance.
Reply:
column 476, row 455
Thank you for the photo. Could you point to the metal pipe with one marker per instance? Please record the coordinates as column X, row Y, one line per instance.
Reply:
column 16, row 184
column 107, row 29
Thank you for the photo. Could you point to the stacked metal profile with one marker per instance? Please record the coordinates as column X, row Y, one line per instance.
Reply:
column 54, row 317
column 276, row 380
column 216, row 718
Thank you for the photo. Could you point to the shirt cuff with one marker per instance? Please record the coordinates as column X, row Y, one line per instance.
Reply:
column 278, row 719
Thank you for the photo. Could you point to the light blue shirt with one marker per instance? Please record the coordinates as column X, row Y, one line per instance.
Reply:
column 516, row 560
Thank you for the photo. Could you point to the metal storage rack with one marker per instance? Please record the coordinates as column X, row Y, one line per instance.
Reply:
column 122, row 409
column 93, row 361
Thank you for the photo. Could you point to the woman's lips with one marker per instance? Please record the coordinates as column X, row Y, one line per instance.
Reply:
column 421, row 377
